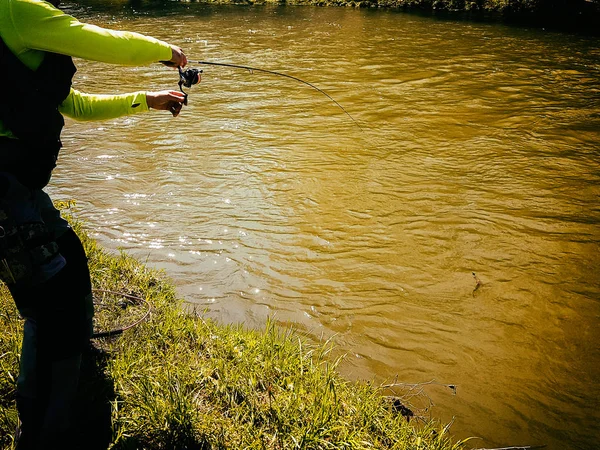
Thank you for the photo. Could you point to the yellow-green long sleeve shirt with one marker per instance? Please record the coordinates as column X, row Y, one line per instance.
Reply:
column 31, row 27
column 82, row 106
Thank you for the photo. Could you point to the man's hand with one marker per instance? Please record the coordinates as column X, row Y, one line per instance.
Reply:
column 166, row 101
column 178, row 58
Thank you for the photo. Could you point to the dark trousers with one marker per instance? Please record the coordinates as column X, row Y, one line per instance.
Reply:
column 58, row 311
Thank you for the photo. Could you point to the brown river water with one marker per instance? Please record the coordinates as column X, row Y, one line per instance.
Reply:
column 478, row 152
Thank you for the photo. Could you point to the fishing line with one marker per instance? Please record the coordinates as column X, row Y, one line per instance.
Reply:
column 272, row 72
column 114, row 306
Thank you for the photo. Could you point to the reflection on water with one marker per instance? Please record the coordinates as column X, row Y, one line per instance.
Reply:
column 479, row 153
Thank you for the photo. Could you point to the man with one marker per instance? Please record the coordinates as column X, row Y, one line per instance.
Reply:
column 41, row 259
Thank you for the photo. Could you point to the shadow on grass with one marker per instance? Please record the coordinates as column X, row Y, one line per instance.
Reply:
column 92, row 423
column 92, row 419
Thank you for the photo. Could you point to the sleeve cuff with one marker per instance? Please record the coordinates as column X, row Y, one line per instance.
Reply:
column 139, row 103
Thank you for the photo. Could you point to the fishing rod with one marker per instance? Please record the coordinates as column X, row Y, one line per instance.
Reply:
column 189, row 77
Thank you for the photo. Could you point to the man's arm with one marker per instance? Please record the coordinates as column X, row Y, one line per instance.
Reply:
column 80, row 106
column 41, row 26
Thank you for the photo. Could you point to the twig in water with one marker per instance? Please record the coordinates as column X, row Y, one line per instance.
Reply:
column 478, row 283
column 419, row 385
column 404, row 395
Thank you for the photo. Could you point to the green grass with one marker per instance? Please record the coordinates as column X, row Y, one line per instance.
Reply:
column 178, row 381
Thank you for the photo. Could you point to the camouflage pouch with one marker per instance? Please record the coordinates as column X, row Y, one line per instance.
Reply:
column 23, row 248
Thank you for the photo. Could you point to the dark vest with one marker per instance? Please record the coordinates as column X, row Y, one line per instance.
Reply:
column 29, row 108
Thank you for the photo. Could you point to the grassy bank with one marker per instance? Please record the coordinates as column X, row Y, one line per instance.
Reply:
column 504, row 6
column 177, row 381
column 581, row 16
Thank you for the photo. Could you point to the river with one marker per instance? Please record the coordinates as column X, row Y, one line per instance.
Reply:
column 451, row 237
